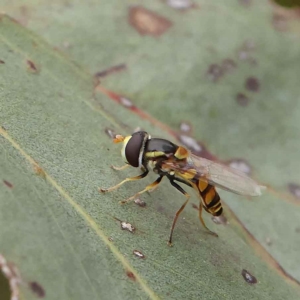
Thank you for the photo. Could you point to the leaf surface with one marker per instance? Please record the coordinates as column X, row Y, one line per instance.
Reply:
column 61, row 232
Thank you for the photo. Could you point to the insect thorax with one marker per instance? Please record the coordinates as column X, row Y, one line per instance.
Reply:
column 156, row 151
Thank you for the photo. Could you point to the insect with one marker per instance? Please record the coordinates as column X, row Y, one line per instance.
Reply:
column 167, row 159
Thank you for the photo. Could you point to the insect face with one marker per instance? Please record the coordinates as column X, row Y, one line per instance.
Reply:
column 133, row 147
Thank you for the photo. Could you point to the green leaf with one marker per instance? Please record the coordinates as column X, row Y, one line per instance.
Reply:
column 60, row 232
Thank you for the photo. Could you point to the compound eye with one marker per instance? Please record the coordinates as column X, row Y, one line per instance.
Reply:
column 134, row 148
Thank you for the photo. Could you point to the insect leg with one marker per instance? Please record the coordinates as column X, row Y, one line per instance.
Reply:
column 147, row 188
column 202, row 221
column 120, row 168
column 125, row 180
column 181, row 190
column 182, row 181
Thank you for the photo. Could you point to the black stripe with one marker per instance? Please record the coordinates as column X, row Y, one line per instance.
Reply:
column 180, row 180
column 219, row 212
column 206, row 190
column 214, row 201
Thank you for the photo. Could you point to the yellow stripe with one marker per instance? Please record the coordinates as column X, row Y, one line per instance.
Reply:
column 155, row 154
column 209, row 196
column 190, row 174
column 202, row 185
column 181, row 153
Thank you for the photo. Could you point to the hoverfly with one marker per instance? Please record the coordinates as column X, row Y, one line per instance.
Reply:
column 179, row 165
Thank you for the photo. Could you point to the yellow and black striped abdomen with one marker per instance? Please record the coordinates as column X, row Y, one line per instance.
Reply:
column 210, row 198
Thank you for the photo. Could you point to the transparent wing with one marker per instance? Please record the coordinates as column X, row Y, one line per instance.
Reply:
column 219, row 175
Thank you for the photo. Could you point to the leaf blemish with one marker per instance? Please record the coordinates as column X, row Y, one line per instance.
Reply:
column 140, row 202
column 130, row 275
column 147, row 22
column 8, row 184
column 2, row 61
column 110, row 132
column 125, row 225
column 181, row 4
column 252, row 84
column 138, row 254
column 190, row 143
column 32, row 66
column 228, row 65
column 111, row 70
column 279, row 22
column 195, row 206
column 245, row 52
column 126, row 102
column 249, row 278
column 220, row 220
column 128, row 227
column 242, row 99
column 185, row 127
column 294, row 189
column 214, row 72
column 37, row 289
column 240, row 164
column 268, row 241
column 39, row 171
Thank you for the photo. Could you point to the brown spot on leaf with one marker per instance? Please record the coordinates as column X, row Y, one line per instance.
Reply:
column 214, row 72
column 147, row 22
column 2, row 61
column 286, row 18
column 294, row 189
column 32, row 66
column 242, row 99
column 280, row 22
column 114, row 69
column 130, row 275
column 256, row 245
column 7, row 183
column 228, row 65
column 39, row 171
column 252, row 84
column 249, row 278
column 138, row 254
column 195, row 206
column 37, row 289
